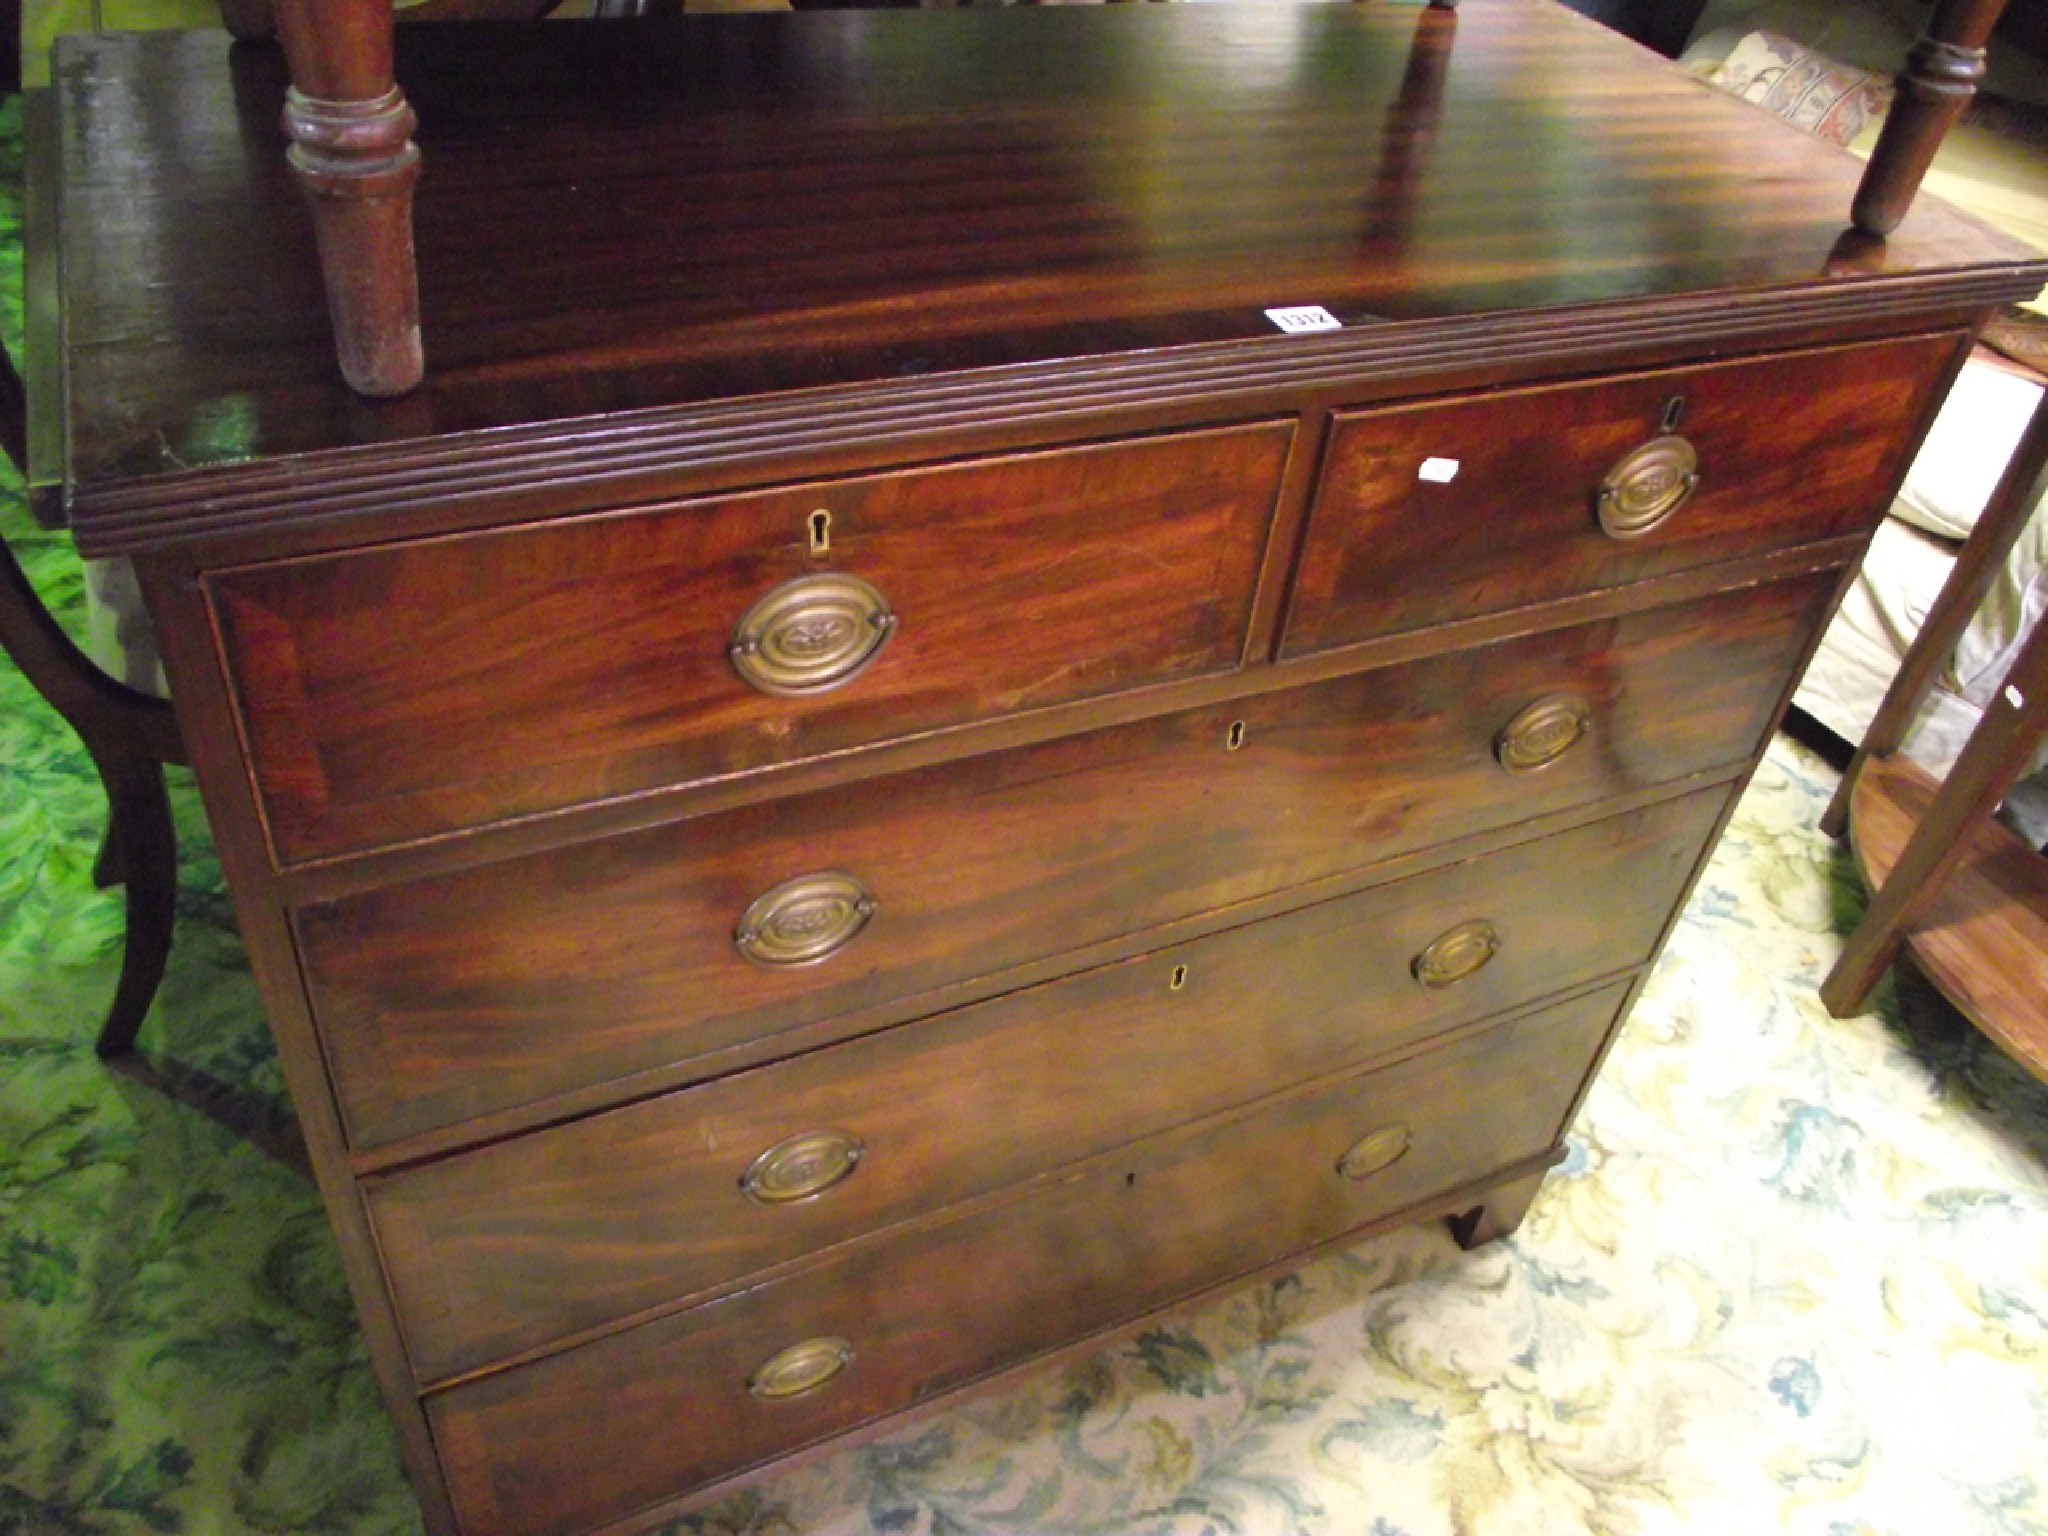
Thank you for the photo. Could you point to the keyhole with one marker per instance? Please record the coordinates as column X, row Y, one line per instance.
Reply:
column 1178, row 980
column 1674, row 408
column 1234, row 737
column 821, row 531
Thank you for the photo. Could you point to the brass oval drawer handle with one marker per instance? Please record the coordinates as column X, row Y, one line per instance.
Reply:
column 811, row 635
column 805, row 920
column 801, row 1167
column 1542, row 733
column 1646, row 485
column 800, row 1369
column 1456, row 954
column 1376, row 1150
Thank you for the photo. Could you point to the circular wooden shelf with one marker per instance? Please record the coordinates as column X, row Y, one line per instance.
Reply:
column 1984, row 938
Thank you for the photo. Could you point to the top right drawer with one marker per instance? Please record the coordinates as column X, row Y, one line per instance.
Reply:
column 1458, row 507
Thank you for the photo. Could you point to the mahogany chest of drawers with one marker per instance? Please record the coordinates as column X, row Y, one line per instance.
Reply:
column 879, row 776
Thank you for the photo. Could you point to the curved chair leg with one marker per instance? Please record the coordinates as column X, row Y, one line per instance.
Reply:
column 139, row 823
column 130, row 736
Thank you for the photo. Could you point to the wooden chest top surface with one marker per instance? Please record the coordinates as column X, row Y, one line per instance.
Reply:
column 628, row 217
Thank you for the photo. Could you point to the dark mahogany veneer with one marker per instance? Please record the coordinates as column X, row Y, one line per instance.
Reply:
column 1282, row 759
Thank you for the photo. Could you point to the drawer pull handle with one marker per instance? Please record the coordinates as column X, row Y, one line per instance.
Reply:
column 1647, row 485
column 1453, row 956
column 799, row 1369
column 811, row 635
column 1370, row 1153
column 801, row 1167
column 1542, row 733
column 805, row 920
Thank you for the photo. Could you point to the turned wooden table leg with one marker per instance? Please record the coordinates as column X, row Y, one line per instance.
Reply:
column 352, row 148
column 1940, row 77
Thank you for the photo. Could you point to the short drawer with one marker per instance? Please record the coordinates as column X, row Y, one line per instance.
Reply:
column 532, row 1239
column 603, row 1430
column 499, row 987
column 398, row 692
column 1455, row 508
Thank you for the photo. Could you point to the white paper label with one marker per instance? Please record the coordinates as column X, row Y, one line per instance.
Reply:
column 1305, row 317
column 1438, row 471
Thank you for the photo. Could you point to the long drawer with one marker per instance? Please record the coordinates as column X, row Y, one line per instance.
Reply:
column 527, row 1241
column 448, row 998
column 600, row 1431
column 396, row 692
column 1453, row 508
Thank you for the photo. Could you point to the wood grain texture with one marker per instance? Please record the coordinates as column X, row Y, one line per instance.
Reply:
column 1790, row 449
column 445, row 998
column 1072, row 184
column 696, row 266
column 601, row 1430
column 533, row 1239
column 420, row 687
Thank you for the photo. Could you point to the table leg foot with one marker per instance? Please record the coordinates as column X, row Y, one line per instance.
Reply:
column 351, row 147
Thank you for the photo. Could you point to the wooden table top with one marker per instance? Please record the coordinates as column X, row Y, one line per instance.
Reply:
column 625, row 217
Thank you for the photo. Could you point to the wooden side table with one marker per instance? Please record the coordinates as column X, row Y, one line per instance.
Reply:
column 1952, row 886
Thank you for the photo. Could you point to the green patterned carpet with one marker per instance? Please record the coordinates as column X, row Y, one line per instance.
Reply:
column 1793, row 1277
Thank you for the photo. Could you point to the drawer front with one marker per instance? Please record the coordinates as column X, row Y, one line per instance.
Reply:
column 393, row 693
column 500, row 986
column 600, row 1431
column 529, row 1240
column 1788, row 450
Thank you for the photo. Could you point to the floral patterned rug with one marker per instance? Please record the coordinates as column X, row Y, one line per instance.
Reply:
column 1794, row 1275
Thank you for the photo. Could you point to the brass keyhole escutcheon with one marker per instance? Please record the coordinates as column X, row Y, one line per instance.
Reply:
column 811, row 635
column 802, row 1167
column 1178, row 979
column 805, row 920
column 1543, row 732
column 1234, row 737
column 821, row 532
column 800, row 1369
column 1646, row 485
column 1372, row 1152
column 1456, row 954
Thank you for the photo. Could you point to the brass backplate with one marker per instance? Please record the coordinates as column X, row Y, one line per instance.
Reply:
column 1647, row 484
column 811, row 635
column 1375, row 1150
column 1541, row 734
column 800, row 1369
column 1458, row 953
column 801, row 1167
column 805, row 920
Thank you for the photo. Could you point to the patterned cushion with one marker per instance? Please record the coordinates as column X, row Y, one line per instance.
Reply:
column 1830, row 100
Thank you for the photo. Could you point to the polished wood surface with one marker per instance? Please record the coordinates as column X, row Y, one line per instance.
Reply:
column 455, row 667
column 534, row 1239
column 891, row 196
column 1789, row 449
column 959, row 1299
column 616, row 956
column 1982, row 935
column 417, row 688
